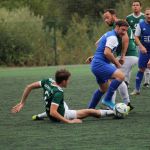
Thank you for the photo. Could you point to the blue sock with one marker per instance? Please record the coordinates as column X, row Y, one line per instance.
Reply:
column 112, row 88
column 139, row 78
column 95, row 99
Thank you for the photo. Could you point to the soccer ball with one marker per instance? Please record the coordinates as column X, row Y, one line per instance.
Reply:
column 121, row 110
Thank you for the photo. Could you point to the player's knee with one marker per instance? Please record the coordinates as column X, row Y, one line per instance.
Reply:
column 120, row 76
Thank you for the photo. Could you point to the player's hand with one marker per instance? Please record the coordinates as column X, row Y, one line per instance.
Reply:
column 17, row 108
column 122, row 60
column 118, row 65
column 75, row 121
column 89, row 59
column 142, row 49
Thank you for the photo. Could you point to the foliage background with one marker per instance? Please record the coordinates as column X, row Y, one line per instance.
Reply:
column 53, row 32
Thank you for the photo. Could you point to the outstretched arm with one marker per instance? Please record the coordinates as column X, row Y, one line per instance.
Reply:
column 25, row 94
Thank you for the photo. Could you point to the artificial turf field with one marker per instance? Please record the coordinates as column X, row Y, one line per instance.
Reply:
column 19, row 132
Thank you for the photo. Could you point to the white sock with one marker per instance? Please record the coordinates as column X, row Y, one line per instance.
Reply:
column 42, row 115
column 123, row 90
column 114, row 97
column 105, row 113
column 147, row 76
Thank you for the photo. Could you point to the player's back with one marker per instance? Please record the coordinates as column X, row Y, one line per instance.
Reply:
column 145, row 34
column 53, row 94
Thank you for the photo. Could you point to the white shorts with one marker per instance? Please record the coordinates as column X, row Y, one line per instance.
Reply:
column 130, row 61
column 69, row 114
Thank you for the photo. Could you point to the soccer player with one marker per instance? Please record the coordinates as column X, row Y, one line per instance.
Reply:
column 56, row 108
column 130, row 59
column 101, row 67
column 127, row 43
column 133, row 19
column 142, row 38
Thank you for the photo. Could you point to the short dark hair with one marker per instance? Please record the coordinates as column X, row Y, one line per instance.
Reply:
column 122, row 23
column 137, row 2
column 111, row 11
column 61, row 75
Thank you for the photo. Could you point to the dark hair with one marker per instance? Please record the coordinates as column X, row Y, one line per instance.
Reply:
column 137, row 2
column 61, row 75
column 111, row 11
column 122, row 23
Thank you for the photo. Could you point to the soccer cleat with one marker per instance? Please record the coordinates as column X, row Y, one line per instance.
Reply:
column 135, row 92
column 146, row 85
column 110, row 104
column 36, row 117
column 130, row 106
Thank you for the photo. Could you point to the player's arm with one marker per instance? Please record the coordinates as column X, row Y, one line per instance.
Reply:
column 25, row 94
column 96, row 43
column 137, row 39
column 111, row 44
column 54, row 113
column 109, row 55
column 56, row 101
column 140, row 45
column 125, row 43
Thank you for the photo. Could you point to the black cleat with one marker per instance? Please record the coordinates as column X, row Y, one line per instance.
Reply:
column 131, row 107
column 146, row 85
column 36, row 117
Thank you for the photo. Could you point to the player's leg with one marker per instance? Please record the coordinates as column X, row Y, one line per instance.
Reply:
column 146, row 77
column 98, row 71
column 40, row 116
column 130, row 61
column 117, row 77
column 97, row 96
column 123, row 91
column 83, row 113
column 142, row 64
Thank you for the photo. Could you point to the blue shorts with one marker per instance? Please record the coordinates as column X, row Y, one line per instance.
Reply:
column 102, row 71
column 143, row 60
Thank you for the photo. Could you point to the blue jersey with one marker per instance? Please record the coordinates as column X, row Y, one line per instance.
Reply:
column 145, row 35
column 109, row 39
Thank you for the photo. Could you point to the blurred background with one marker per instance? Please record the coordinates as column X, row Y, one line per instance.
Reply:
column 53, row 32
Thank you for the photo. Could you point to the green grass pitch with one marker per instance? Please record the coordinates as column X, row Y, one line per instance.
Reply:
column 19, row 132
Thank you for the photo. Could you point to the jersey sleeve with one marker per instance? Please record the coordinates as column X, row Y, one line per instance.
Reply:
column 112, row 42
column 42, row 82
column 138, row 30
column 58, row 97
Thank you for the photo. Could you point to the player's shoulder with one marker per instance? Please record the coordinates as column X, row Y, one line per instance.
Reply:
column 142, row 22
column 110, row 33
column 47, row 81
column 142, row 14
column 129, row 16
column 57, row 88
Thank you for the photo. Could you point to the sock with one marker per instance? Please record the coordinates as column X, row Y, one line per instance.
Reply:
column 139, row 78
column 95, row 99
column 112, row 88
column 147, row 76
column 123, row 91
column 105, row 113
column 114, row 97
column 42, row 115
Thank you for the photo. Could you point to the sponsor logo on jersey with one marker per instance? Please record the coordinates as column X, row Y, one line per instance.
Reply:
column 147, row 39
